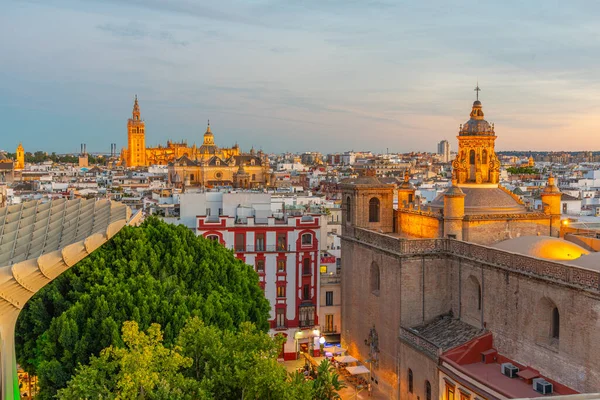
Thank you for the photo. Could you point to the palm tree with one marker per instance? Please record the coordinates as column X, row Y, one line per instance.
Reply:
column 327, row 384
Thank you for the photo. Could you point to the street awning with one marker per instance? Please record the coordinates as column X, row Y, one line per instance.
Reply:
column 346, row 359
column 361, row 369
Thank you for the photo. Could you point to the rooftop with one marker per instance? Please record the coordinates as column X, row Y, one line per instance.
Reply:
column 447, row 332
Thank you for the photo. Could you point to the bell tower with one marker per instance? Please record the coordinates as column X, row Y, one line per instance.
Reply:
column 20, row 156
column 136, row 138
column 476, row 161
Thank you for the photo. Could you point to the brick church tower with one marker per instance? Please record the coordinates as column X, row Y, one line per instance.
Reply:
column 136, row 138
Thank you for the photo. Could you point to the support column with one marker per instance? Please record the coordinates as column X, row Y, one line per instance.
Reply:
column 10, row 379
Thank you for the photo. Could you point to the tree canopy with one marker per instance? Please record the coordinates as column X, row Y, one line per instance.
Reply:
column 156, row 273
column 205, row 363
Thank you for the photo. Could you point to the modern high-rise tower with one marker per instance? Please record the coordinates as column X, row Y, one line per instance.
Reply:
column 443, row 149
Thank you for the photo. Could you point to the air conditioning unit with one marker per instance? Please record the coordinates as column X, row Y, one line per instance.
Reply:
column 509, row 370
column 542, row 386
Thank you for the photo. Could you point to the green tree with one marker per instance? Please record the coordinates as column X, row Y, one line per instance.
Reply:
column 206, row 363
column 156, row 273
column 143, row 369
column 328, row 383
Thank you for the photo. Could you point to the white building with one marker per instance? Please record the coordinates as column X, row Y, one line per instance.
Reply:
column 284, row 251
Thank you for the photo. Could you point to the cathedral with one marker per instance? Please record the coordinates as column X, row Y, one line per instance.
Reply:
column 138, row 155
column 471, row 297
column 205, row 166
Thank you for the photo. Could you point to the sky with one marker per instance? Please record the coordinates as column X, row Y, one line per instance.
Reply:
column 320, row 75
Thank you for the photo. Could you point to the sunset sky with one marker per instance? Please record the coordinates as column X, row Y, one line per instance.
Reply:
column 299, row 75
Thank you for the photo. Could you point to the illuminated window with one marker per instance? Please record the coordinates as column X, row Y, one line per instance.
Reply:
column 280, row 291
column 323, row 269
column 280, row 265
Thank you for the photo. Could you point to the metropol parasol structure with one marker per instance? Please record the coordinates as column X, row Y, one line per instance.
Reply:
column 38, row 242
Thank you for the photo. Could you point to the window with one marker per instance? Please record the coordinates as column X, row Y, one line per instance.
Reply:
column 306, row 239
column 306, row 267
column 410, row 381
column 260, row 242
column 472, row 157
column 427, row 390
column 280, row 265
column 306, row 316
column 323, row 269
column 239, row 241
column 280, row 291
column 449, row 392
column 306, row 292
column 348, row 209
column 191, row 177
column 280, row 317
column 375, row 278
column 281, row 242
column 260, row 266
column 484, row 157
column 329, row 323
column 253, row 177
column 374, row 210
column 213, row 237
column 328, row 298
column 555, row 323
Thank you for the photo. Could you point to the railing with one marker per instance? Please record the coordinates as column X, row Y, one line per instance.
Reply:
column 259, row 249
column 304, row 323
column 429, row 348
column 330, row 329
column 330, row 279
column 557, row 271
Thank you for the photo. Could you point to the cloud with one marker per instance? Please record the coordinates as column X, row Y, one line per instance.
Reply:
column 139, row 31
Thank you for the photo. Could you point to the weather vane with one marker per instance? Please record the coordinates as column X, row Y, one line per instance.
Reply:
column 477, row 90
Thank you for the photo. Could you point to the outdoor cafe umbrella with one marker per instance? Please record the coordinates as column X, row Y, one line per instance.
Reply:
column 346, row 359
column 361, row 369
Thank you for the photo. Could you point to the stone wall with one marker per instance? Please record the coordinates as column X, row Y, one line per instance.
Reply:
column 510, row 294
column 489, row 231
column 418, row 224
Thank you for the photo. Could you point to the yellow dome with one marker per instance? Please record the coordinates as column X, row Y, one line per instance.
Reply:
column 545, row 247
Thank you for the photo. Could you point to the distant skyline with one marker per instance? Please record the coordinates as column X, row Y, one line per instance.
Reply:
column 316, row 75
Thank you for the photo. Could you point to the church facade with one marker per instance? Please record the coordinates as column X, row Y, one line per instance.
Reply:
column 437, row 312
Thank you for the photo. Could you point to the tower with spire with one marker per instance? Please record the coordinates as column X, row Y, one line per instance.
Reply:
column 476, row 161
column 136, row 138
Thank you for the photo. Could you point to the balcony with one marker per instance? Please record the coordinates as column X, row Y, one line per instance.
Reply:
column 307, row 323
column 271, row 248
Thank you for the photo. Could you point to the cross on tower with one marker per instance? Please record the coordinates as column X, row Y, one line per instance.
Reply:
column 477, row 90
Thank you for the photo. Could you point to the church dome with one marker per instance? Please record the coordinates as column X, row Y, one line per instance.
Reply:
column 476, row 125
column 546, row 247
column 483, row 201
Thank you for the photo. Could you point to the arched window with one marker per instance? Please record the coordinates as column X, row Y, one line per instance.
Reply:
column 427, row 390
column 555, row 323
column 410, row 381
column 348, row 209
column 547, row 322
column 374, row 210
column 484, row 157
column 213, row 237
column 472, row 157
column 306, row 239
column 375, row 278
column 473, row 300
